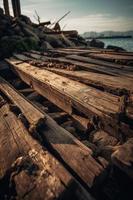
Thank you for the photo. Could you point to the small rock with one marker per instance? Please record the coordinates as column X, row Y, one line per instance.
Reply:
column 115, row 48
column 96, row 43
column 54, row 41
column 66, row 41
column 46, row 46
column 30, row 33
column 25, row 19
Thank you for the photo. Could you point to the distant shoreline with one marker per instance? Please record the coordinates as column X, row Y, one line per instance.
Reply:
column 110, row 37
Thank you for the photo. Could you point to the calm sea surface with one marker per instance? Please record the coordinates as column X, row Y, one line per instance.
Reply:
column 126, row 43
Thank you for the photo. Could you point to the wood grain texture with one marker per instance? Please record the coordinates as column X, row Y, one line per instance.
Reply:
column 81, row 63
column 65, row 145
column 109, row 83
column 30, row 112
column 100, row 62
column 69, row 95
column 34, row 172
column 111, row 57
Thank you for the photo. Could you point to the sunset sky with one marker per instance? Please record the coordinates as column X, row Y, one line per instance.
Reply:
column 86, row 15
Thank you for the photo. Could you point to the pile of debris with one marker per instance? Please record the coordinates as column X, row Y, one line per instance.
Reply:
column 21, row 34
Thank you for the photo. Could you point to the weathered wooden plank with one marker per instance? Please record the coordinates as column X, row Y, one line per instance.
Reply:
column 65, row 145
column 8, row 147
column 63, row 84
column 70, row 95
column 34, row 172
column 62, row 52
column 124, row 125
column 96, row 50
column 94, row 67
column 75, row 51
column 30, row 112
column 126, row 53
column 100, row 62
column 111, row 57
column 109, row 83
column 78, row 51
column 88, row 48
column 124, row 58
column 81, row 65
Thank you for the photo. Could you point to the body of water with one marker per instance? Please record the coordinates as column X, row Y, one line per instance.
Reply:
column 126, row 43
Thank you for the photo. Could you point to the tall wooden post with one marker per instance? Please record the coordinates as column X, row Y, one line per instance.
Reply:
column 16, row 8
column 6, row 7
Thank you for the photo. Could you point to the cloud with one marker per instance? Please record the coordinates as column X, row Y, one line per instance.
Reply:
column 54, row 9
column 100, row 22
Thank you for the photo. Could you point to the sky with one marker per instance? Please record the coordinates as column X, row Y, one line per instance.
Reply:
column 86, row 15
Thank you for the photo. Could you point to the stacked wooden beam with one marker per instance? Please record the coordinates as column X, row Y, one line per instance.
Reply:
column 60, row 141
column 94, row 104
column 27, row 168
column 107, row 107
